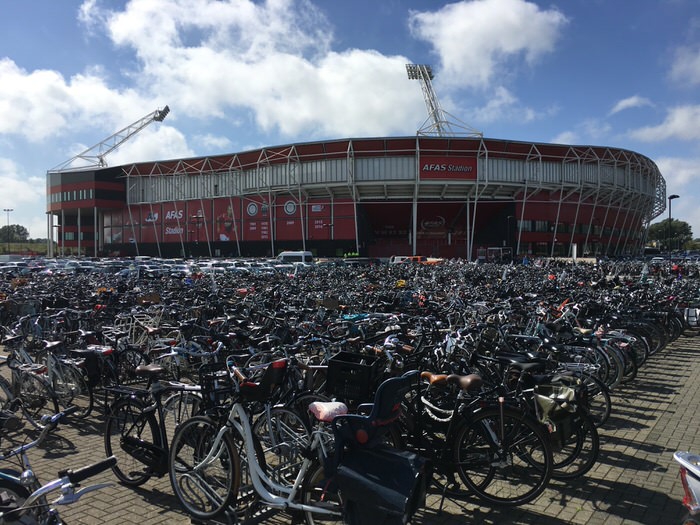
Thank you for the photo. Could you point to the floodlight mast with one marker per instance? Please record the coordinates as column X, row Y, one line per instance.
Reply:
column 94, row 157
column 437, row 122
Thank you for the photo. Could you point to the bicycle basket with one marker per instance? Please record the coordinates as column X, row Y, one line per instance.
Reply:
column 217, row 385
column 353, row 376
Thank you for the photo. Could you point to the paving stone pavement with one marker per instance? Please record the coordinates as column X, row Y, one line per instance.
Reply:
column 634, row 482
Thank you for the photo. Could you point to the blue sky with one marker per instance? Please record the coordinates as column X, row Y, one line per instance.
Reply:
column 239, row 74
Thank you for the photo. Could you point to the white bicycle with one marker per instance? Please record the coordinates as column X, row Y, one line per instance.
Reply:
column 211, row 456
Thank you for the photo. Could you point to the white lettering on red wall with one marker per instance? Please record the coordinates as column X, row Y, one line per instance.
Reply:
column 463, row 168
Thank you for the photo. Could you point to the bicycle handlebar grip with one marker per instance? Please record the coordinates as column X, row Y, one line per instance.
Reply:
column 76, row 476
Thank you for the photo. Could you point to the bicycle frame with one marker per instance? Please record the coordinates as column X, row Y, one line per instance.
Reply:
column 152, row 400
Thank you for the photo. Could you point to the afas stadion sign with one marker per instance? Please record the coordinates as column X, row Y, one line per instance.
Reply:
column 448, row 168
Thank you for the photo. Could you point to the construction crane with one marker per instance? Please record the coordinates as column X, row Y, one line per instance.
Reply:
column 94, row 157
column 439, row 121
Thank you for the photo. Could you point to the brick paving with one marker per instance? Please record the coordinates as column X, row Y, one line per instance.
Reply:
column 634, row 482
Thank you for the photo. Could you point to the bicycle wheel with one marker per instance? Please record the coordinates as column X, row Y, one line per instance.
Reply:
column 204, row 489
column 321, row 492
column 178, row 408
column 284, row 438
column 37, row 396
column 133, row 437
column 598, row 400
column 579, row 451
column 18, row 494
column 72, row 389
column 505, row 457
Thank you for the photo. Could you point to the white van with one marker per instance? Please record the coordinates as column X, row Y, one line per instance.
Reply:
column 295, row 257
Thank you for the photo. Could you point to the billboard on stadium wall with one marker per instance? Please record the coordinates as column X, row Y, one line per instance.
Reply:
column 227, row 220
column 447, row 168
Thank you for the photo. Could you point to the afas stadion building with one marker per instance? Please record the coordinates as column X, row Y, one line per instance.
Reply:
column 434, row 196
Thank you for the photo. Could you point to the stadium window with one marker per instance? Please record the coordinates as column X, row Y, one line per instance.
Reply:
column 541, row 226
column 525, row 226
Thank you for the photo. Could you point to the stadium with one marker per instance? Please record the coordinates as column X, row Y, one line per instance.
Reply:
column 436, row 193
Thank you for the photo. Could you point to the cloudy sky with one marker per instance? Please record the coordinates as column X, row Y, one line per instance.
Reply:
column 241, row 74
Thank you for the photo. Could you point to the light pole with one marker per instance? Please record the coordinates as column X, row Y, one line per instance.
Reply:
column 670, row 199
column 8, row 210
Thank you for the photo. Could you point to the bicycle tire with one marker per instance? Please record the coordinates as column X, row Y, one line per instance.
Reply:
column 126, row 419
column 20, row 493
column 37, row 396
column 285, row 438
column 579, row 453
column 72, row 389
column 206, row 492
column 598, row 399
column 178, row 407
column 320, row 491
column 511, row 473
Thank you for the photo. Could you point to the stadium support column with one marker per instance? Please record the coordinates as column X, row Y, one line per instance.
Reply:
column 414, row 226
column 79, row 243
column 94, row 231
column 63, row 233
column 522, row 220
column 49, row 234
column 469, row 231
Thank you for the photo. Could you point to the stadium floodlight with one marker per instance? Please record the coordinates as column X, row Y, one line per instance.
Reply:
column 437, row 122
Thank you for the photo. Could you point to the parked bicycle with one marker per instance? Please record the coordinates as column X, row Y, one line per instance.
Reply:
column 209, row 454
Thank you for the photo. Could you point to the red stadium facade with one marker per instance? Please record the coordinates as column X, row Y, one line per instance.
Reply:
column 434, row 196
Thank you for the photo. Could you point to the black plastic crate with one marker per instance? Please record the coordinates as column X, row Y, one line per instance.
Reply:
column 353, row 376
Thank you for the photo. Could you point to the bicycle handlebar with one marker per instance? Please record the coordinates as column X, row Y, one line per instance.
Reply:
column 76, row 476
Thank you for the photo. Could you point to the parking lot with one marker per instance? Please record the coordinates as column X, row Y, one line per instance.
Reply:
column 635, row 481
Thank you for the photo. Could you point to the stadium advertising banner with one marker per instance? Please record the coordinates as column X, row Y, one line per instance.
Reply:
column 227, row 224
column 447, row 168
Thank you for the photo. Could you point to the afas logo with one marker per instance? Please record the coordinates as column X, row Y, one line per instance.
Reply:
column 434, row 167
column 173, row 215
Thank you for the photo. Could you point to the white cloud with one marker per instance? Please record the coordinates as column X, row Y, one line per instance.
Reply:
column 159, row 142
column 211, row 142
column 478, row 40
column 502, row 104
column 40, row 104
column 679, row 173
column 682, row 177
column 18, row 188
column 685, row 69
column 630, row 102
column 682, row 122
column 566, row 137
column 210, row 58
